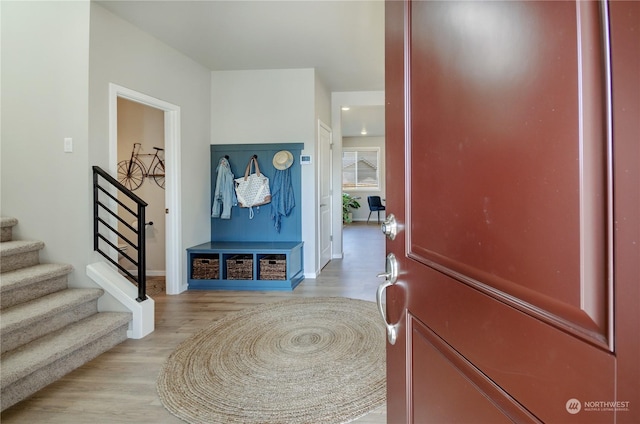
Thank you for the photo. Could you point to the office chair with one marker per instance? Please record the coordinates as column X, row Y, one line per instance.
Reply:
column 375, row 205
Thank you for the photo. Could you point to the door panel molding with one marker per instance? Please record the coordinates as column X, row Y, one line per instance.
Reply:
column 575, row 300
column 462, row 376
column 544, row 308
column 530, row 360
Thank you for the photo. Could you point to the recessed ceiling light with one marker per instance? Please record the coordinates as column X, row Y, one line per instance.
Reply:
column 345, row 108
column 363, row 132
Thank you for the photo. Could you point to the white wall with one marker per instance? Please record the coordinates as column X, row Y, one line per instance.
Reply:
column 58, row 59
column 322, row 102
column 45, row 81
column 262, row 106
column 362, row 213
column 273, row 106
column 124, row 55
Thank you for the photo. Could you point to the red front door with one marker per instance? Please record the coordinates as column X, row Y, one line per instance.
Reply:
column 513, row 297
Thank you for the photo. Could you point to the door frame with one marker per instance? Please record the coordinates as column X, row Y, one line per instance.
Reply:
column 173, row 230
column 321, row 158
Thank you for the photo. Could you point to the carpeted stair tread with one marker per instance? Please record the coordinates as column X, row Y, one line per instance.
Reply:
column 21, row 362
column 31, row 275
column 29, row 313
column 7, row 221
column 46, row 328
column 14, row 247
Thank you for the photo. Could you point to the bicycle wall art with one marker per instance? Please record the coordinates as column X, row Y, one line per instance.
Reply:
column 132, row 171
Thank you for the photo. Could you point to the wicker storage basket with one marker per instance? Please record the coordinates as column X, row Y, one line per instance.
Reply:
column 205, row 268
column 273, row 267
column 240, row 267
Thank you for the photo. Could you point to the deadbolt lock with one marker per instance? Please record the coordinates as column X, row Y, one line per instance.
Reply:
column 390, row 227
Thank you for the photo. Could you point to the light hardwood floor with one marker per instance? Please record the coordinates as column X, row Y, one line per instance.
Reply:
column 120, row 385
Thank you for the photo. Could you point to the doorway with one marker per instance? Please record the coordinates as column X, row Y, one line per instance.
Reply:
column 338, row 100
column 171, row 124
column 141, row 131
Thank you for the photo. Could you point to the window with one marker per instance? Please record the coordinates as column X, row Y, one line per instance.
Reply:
column 360, row 168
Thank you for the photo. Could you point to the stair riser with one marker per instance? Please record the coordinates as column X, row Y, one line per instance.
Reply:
column 20, row 260
column 7, row 234
column 22, row 336
column 32, row 291
column 42, row 377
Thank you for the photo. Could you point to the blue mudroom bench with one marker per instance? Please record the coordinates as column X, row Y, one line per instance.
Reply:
column 257, row 253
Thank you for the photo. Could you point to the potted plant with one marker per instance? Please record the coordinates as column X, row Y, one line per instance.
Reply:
column 348, row 202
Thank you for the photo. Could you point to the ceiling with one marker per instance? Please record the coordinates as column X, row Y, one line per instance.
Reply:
column 342, row 40
column 357, row 118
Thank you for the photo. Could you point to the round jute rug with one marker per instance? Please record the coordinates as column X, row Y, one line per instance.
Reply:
column 304, row 360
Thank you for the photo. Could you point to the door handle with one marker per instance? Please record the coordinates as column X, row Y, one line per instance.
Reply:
column 390, row 277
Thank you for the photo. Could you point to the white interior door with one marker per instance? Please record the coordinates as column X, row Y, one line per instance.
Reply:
column 325, row 166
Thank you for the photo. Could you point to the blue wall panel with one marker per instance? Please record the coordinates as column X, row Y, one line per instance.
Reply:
column 261, row 227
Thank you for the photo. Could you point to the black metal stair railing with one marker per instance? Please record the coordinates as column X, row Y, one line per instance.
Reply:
column 101, row 226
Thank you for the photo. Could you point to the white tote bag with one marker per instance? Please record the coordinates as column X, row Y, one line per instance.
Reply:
column 252, row 189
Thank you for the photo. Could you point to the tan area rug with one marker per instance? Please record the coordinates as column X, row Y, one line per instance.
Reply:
column 305, row 360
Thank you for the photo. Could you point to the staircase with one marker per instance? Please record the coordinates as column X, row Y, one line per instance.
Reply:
column 46, row 329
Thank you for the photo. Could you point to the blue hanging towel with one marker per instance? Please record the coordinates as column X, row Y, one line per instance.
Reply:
column 282, row 198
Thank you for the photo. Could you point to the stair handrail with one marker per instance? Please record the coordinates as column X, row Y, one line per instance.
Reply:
column 139, row 214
